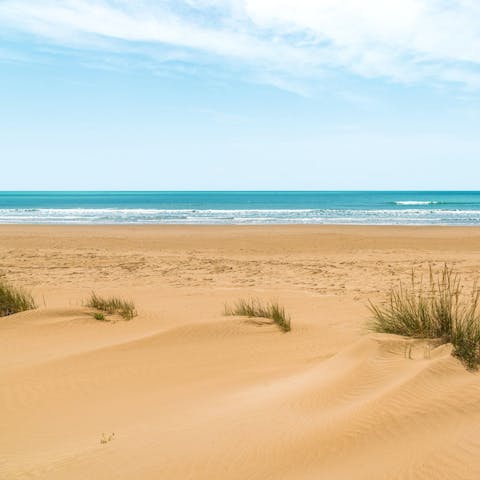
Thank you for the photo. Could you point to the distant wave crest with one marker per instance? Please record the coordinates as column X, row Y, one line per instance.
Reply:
column 416, row 202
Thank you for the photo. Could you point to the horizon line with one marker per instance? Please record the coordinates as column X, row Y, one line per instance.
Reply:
column 2, row 191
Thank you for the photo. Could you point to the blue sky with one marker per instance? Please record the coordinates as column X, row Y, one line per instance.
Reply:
column 240, row 94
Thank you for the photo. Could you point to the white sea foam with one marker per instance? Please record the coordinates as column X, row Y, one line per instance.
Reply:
column 416, row 202
column 411, row 216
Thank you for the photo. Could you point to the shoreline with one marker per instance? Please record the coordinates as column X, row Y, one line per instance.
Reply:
column 233, row 226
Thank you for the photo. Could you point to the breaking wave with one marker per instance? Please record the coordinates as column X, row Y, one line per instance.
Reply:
column 411, row 216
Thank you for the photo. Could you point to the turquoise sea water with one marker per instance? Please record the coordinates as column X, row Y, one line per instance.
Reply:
column 378, row 208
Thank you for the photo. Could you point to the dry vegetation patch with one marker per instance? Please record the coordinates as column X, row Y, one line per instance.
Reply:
column 14, row 299
column 437, row 308
column 254, row 308
column 111, row 305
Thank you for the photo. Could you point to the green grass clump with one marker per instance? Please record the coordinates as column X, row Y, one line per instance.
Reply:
column 438, row 308
column 112, row 305
column 99, row 316
column 254, row 308
column 14, row 300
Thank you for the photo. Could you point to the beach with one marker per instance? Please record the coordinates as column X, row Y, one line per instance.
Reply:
column 182, row 391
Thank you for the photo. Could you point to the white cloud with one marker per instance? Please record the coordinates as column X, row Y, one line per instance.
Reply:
column 279, row 41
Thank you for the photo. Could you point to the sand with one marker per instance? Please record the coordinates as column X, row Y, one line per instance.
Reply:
column 184, row 392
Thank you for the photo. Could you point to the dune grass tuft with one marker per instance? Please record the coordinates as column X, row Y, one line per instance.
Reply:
column 112, row 305
column 14, row 300
column 438, row 308
column 99, row 316
column 254, row 308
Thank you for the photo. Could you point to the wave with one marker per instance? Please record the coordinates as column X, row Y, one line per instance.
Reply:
column 107, row 216
column 416, row 202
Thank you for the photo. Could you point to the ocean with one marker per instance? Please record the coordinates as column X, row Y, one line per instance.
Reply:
column 243, row 207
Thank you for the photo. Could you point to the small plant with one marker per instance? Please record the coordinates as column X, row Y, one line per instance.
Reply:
column 437, row 309
column 112, row 305
column 107, row 438
column 14, row 300
column 99, row 316
column 254, row 308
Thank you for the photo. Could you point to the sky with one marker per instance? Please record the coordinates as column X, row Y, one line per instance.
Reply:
column 239, row 94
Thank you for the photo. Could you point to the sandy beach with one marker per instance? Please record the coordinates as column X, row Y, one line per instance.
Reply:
column 184, row 392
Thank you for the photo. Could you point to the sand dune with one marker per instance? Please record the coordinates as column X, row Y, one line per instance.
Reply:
column 191, row 394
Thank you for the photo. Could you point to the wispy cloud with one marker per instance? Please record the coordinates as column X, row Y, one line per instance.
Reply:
column 282, row 42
